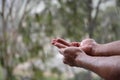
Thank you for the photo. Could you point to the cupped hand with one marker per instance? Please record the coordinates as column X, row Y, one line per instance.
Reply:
column 87, row 45
column 71, row 55
column 106, row 67
column 61, row 43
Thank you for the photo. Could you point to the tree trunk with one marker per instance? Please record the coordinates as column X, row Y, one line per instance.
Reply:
column 8, row 74
column 4, row 55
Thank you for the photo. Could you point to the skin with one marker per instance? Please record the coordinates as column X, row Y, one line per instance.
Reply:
column 102, row 59
column 91, row 47
column 106, row 67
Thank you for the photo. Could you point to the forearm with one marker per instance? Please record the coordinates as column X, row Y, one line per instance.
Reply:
column 108, row 49
column 106, row 67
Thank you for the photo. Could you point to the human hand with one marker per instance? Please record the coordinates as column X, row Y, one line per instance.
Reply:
column 61, row 43
column 87, row 45
column 106, row 67
column 71, row 55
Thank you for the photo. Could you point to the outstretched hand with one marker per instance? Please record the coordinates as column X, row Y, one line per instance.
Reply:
column 71, row 55
column 106, row 67
column 82, row 54
column 87, row 45
column 60, row 43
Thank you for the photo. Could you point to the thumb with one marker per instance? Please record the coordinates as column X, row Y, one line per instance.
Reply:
column 61, row 51
column 87, row 48
column 71, row 51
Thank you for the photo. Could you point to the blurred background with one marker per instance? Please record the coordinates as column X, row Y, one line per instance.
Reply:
column 28, row 26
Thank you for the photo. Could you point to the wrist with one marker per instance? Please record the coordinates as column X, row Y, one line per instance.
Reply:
column 82, row 59
column 96, row 50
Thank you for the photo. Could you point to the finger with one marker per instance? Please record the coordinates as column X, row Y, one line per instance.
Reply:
column 87, row 48
column 53, row 41
column 64, row 52
column 58, row 45
column 76, row 44
column 87, row 41
column 71, row 52
column 72, row 49
column 61, row 51
column 63, row 42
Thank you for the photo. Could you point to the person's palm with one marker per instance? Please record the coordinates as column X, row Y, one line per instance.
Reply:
column 106, row 67
column 87, row 45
